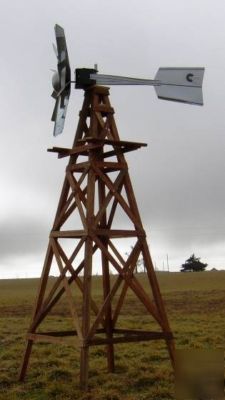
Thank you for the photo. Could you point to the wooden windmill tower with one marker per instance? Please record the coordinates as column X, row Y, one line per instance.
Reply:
column 97, row 187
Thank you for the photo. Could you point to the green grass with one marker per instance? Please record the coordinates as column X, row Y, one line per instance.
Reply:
column 195, row 306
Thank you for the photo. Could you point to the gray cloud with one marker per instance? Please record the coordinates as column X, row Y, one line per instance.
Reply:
column 22, row 237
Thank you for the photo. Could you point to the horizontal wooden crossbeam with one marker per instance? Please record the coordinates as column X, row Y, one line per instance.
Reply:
column 106, row 166
column 95, row 143
column 37, row 337
column 127, row 337
column 113, row 233
column 115, row 143
column 141, row 337
column 65, row 152
column 66, row 333
column 103, row 109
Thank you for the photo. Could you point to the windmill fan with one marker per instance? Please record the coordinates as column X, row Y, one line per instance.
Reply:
column 60, row 81
column 176, row 84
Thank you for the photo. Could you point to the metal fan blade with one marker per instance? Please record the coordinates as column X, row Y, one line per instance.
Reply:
column 59, row 114
column 54, row 94
column 56, row 82
column 55, row 50
column 55, row 109
column 61, row 45
column 61, row 81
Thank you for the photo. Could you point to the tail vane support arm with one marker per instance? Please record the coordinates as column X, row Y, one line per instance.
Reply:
column 101, row 79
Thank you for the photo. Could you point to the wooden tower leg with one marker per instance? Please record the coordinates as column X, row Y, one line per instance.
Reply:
column 25, row 360
column 84, row 359
column 108, row 313
column 106, row 282
column 152, row 276
column 158, row 299
column 38, row 304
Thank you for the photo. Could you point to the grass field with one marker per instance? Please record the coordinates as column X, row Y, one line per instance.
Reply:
column 195, row 306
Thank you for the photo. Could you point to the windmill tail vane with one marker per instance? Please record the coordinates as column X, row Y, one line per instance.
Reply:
column 180, row 84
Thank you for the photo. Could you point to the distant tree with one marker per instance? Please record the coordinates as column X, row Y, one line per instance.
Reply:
column 140, row 266
column 193, row 264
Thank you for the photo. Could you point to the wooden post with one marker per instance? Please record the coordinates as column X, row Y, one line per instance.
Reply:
column 106, row 278
column 87, row 279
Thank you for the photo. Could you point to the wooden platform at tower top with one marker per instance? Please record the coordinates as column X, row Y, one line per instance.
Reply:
column 97, row 186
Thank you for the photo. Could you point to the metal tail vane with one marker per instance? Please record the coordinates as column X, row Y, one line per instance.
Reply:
column 175, row 84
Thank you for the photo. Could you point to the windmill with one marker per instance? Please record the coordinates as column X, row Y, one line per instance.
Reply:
column 98, row 188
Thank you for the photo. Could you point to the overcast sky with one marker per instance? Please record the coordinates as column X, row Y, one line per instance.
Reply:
column 178, row 178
